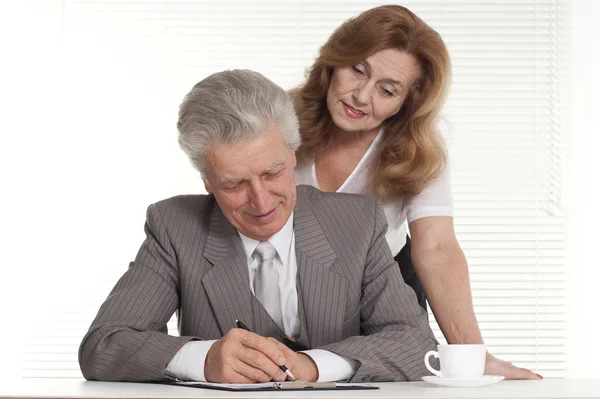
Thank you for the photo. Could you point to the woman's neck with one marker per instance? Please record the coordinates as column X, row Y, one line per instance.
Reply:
column 360, row 138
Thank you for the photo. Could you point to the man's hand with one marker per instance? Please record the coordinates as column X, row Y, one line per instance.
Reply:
column 304, row 368
column 495, row 366
column 245, row 357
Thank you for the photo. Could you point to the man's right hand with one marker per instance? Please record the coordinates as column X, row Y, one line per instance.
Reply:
column 244, row 357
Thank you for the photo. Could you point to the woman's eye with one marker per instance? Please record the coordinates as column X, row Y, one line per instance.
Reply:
column 387, row 92
column 357, row 70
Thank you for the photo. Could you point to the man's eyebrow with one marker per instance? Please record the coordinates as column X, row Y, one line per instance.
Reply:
column 229, row 182
column 274, row 165
column 233, row 181
column 397, row 82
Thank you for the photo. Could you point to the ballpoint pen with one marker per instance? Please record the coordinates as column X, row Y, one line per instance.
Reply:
column 241, row 325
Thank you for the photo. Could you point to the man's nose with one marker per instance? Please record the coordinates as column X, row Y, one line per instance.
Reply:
column 259, row 197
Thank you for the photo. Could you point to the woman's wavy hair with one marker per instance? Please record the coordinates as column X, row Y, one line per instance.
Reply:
column 412, row 153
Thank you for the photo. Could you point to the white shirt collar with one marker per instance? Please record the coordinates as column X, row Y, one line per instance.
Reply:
column 280, row 240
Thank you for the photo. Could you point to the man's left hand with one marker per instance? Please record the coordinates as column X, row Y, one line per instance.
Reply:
column 303, row 367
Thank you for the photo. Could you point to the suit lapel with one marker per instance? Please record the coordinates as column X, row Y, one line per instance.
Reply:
column 323, row 291
column 227, row 282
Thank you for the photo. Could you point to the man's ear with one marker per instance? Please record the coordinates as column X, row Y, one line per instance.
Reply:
column 293, row 159
column 207, row 186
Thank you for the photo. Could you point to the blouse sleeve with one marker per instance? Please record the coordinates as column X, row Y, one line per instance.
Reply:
column 434, row 200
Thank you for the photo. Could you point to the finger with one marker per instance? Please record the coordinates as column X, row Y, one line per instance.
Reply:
column 268, row 347
column 291, row 357
column 512, row 372
column 253, row 374
column 259, row 360
column 287, row 352
column 524, row 374
column 234, row 377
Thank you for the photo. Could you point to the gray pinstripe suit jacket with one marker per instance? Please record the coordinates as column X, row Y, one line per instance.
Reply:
column 352, row 299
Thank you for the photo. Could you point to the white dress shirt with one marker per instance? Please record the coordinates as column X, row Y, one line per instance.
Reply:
column 434, row 200
column 188, row 363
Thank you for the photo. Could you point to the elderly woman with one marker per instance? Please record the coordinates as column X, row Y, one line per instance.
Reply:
column 367, row 117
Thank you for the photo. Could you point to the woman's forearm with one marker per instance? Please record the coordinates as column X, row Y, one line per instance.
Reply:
column 444, row 273
column 442, row 268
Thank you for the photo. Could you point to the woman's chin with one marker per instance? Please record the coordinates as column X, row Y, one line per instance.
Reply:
column 347, row 124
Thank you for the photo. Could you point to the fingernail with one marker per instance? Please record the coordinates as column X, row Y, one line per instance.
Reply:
column 281, row 361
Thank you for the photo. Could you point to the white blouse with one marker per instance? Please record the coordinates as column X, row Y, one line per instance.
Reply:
column 434, row 200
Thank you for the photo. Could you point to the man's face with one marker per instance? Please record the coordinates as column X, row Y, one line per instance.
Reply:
column 253, row 183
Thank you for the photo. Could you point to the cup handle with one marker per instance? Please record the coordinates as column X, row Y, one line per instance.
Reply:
column 431, row 369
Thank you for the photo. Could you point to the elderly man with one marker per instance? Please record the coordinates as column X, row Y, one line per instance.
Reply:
column 310, row 273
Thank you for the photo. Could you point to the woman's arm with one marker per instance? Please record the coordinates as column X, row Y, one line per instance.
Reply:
column 442, row 268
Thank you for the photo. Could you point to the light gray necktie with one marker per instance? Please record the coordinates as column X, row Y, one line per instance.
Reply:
column 266, row 282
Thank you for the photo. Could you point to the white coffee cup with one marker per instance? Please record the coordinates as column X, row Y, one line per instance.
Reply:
column 458, row 361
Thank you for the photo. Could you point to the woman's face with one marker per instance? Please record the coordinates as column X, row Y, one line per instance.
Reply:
column 362, row 96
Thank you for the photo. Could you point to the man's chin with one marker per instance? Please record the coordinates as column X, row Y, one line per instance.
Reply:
column 264, row 232
column 259, row 235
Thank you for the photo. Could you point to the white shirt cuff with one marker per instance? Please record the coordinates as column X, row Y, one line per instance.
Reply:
column 188, row 362
column 331, row 366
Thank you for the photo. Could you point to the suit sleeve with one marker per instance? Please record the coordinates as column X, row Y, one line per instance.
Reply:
column 395, row 332
column 128, row 339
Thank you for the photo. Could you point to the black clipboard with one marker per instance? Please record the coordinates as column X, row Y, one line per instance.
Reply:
column 275, row 386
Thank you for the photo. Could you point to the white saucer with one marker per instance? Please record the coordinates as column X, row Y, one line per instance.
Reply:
column 463, row 382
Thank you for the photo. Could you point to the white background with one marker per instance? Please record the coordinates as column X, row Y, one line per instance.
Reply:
column 583, row 255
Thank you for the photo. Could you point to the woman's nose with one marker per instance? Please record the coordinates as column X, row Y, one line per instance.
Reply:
column 362, row 94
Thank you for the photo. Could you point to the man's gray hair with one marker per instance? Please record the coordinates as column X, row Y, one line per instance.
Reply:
column 230, row 106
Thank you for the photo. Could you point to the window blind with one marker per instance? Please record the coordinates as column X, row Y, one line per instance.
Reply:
column 114, row 72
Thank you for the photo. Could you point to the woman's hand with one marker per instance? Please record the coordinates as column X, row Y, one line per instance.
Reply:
column 495, row 366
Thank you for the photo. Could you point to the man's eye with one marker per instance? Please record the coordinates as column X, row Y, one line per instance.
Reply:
column 233, row 188
column 274, row 175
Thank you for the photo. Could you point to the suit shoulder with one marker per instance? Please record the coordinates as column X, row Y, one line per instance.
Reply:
column 182, row 206
column 339, row 205
column 313, row 194
column 183, row 199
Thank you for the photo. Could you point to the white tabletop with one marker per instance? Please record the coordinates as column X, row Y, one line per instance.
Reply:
column 78, row 388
